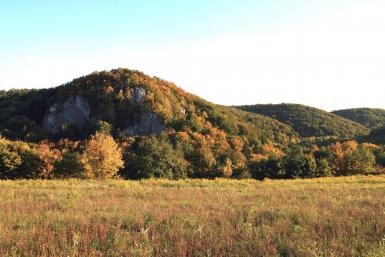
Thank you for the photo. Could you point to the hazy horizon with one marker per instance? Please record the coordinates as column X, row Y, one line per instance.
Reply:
column 328, row 55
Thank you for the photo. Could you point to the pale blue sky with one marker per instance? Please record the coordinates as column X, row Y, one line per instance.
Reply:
column 38, row 23
column 230, row 52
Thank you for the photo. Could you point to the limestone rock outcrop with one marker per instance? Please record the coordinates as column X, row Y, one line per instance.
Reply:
column 147, row 123
column 75, row 111
column 138, row 94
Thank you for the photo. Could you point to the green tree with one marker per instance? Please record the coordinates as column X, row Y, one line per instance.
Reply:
column 380, row 157
column 360, row 161
column 70, row 166
column 101, row 126
column 9, row 160
column 323, row 169
column 273, row 167
column 155, row 158
column 18, row 160
column 298, row 165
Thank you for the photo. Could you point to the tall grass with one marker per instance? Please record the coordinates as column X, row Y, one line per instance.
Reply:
column 319, row 217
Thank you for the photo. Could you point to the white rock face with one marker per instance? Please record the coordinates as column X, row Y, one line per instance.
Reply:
column 148, row 123
column 144, row 123
column 138, row 94
column 75, row 111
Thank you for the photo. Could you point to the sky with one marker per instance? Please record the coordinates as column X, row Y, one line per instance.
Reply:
column 328, row 54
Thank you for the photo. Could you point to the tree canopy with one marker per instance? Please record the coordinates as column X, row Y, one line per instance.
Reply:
column 309, row 121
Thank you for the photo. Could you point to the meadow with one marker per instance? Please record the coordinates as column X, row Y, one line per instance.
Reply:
column 316, row 217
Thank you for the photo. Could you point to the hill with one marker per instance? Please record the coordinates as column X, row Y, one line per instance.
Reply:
column 132, row 103
column 369, row 117
column 377, row 136
column 205, row 138
column 309, row 121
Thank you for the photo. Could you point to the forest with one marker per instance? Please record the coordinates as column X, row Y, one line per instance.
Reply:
column 123, row 123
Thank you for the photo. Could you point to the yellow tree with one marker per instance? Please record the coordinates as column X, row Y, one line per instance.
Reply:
column 48, row 154
column 102, row 157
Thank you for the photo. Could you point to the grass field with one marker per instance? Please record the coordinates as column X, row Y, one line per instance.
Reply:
column 320, row 217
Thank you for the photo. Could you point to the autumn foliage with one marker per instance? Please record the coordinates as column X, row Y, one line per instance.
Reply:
column 199, row 140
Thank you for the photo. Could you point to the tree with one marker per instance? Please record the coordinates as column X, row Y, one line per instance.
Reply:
column 340, row 153
column 351, row 158
column 298, row 165
column 102, row 157
column 273, row 167
column 380, row 157
column 323, row 169
column 155, row 158
column 100, row 126
column 48, row 154
column 9, row 160
column 360, row 161
column 226, row 170
column 18, row 160
column 70, row 166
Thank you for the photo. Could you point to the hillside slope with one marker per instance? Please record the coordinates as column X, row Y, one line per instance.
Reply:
column 377, row 136
column 194, row 138
column 369, row 117
column 130, row 101
column 309, row 121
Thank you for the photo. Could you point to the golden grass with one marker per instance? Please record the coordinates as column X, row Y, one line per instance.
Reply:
column 318, row 217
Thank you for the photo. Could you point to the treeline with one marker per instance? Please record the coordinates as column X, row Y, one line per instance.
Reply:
column 97, row 157
column 338, row 159
column 169, row 156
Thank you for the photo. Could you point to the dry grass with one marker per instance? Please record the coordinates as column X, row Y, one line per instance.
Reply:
column 320, row 217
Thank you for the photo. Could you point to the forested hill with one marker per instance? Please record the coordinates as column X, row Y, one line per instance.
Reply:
column 125, row 123
column 369, row 117
column 309, row 121
column 131, row 103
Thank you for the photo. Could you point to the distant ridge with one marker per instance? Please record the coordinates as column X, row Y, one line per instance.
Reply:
column 309, row 121
column 372, row 118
